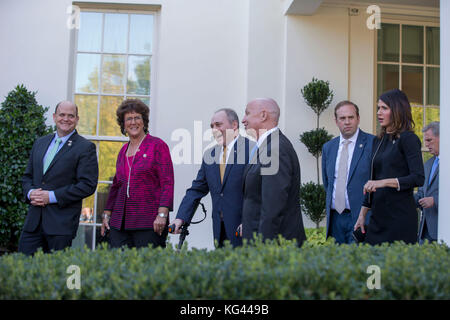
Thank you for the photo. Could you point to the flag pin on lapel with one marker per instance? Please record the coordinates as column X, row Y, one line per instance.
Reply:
column 69, row 143
column 360, row 145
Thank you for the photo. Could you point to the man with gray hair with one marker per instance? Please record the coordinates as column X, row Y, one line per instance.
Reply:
column 427, row 196
column 221, row 175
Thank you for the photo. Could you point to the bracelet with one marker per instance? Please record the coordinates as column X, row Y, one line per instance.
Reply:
column 105, row 215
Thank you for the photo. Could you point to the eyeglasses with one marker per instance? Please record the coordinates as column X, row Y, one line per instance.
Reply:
column 136, row 119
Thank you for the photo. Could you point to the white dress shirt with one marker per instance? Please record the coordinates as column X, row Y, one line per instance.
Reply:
column 351, row 149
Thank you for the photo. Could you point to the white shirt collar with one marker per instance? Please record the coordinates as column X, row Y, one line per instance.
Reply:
column 351, row 139
column 264, row 136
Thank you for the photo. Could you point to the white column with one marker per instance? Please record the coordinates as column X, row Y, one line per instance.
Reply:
column 444, row 167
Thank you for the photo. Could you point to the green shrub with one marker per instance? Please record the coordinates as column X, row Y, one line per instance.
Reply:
column 260, row 271
column 22, row 121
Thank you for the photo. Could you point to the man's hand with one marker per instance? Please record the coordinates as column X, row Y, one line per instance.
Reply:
column 426, row 202
column 39, row 197
column 178, row 223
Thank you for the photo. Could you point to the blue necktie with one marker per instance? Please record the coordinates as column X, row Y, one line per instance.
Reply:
column 51, row 154
column 433, row 169
column 253, row 152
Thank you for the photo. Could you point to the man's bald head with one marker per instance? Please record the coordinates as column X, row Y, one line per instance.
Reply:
column 270, row 106
column 261, row 115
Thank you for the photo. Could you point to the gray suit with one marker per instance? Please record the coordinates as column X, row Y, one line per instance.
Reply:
column 430, row 215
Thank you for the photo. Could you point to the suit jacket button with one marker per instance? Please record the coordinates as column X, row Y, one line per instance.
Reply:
column 221, row 194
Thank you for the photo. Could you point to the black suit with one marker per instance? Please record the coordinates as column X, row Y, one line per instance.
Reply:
column 271, row 192
column 72, row 175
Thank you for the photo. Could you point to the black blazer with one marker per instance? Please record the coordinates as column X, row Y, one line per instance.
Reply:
column 72, row 175
column 272, row 192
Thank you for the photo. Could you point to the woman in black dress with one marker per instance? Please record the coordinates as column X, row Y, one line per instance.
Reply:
column 396, row 169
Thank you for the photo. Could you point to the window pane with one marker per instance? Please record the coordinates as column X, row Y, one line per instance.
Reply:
column 108, row 123
column 433, row 86
column 138, row 75
column 412, row 84
column 90, row 32
column 87, row 211
column 88, row 66
column 388, row 78
column 87, row 111
column 84, row 237
column 141, row 32
column 433, row 41
column 412, row 44
column 107, row 157
column 389, row 42
column 102, row 197
column 417, row 114
column 431, row 114
column 113, row 74
column 116, row 30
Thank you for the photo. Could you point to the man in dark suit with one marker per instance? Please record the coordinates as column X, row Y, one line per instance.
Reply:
column 345, row 170
column 221, row 175
column 61, row 171
column 427, row 196
column 271, row 179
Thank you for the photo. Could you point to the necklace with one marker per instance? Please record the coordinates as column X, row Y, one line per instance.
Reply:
column 131, row 166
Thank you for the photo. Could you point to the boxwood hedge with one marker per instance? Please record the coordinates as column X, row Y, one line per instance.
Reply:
column 271, row 270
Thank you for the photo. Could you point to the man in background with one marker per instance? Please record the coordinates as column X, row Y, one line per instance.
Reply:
column 427, row 196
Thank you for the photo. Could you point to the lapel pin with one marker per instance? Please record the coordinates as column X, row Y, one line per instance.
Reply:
column 361, row 145
column 69, row 143
column 145, row 155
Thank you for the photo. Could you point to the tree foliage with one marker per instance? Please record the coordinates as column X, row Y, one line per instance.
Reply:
column 318, row 95
column 22, row 121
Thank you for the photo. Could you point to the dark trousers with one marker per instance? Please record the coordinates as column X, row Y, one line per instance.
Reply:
column 137, row 238
column 223, row 235
column 30, row 242
column 425, row 235
column 341, row 226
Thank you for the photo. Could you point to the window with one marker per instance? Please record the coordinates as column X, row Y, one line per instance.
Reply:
column 112, row 62
column 408, row 59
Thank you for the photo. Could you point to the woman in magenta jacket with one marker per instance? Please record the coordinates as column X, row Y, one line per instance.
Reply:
column 141, row 195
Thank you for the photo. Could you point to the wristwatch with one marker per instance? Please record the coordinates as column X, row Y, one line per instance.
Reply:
column 162, row 215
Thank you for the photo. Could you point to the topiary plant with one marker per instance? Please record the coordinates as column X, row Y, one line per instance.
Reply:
column 318, row 95
column 22, row 121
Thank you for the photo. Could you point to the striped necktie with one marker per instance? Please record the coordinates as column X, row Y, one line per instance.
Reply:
column 51, row 154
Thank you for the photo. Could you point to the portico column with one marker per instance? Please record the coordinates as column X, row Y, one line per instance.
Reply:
column 444, row 163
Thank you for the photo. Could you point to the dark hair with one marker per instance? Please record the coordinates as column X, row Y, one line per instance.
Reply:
column 401, row 116
column 130, row 105
column 344, row 103
column 231, row 115
column 76, row 107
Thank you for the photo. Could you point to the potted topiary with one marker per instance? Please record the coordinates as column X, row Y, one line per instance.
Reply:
column 318, row 96
column 22, row 121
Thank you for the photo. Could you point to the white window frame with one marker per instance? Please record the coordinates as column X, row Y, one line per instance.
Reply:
column 424, row 65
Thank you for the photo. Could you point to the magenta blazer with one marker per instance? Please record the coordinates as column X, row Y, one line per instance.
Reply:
column 151, row 185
